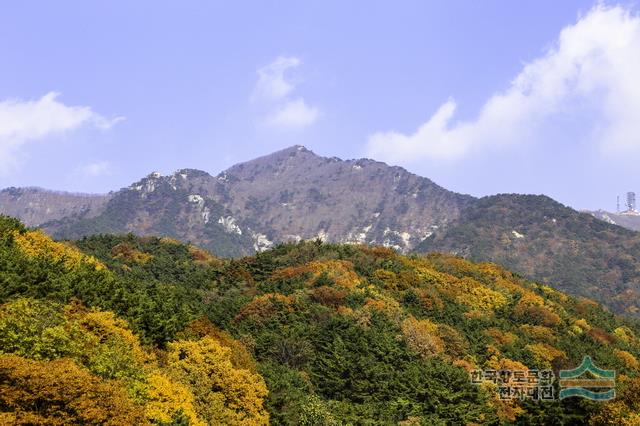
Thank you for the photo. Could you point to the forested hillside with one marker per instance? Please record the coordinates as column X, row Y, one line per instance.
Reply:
column 128, row 330
column 548, row 242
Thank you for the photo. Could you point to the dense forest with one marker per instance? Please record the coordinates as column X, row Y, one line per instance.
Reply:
column 126, row 330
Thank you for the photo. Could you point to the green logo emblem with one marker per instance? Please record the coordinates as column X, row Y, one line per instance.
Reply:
column 597, row 384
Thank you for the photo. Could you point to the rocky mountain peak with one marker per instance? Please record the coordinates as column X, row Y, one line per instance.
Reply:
column 294, row 156
column 190, row 173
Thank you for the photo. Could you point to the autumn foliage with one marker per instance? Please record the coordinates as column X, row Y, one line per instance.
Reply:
column 104, row 360
column 422, row 337
column 37, row 245
column 222, row 393
column 134, row 331
column 61, row 393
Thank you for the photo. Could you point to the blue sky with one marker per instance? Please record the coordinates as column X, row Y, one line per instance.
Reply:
column 482, row 97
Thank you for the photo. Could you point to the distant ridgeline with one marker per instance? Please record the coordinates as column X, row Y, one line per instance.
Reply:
column 143, row 330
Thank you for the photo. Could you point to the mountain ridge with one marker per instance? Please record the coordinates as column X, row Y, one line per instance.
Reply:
column 35, row 205
column 400, row 218
column 631, row 222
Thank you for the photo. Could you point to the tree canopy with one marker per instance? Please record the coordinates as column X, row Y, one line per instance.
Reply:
column 152, row 331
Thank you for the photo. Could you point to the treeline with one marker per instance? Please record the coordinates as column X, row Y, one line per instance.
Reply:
column 128, row 330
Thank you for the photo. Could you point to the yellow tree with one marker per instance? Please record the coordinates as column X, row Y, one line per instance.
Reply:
column 36, row 244
column 166, row 399
column 223, row 394
column 60, row 392
column 422, row 337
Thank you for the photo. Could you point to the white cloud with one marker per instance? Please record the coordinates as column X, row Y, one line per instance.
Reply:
column 24, row 121
column 274, row 90
column 594, row 64
column 295, row 113
column 272, row 83
column 99, row 168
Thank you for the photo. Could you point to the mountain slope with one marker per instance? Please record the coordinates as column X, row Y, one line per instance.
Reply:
column 548, row 242
column 163, row 205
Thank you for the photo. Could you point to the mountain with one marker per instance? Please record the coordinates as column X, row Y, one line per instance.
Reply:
column 626, row 221
column 175, row 206
column 35, row 206
column 294, row 195
column 146, row 330
column 290, row 195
